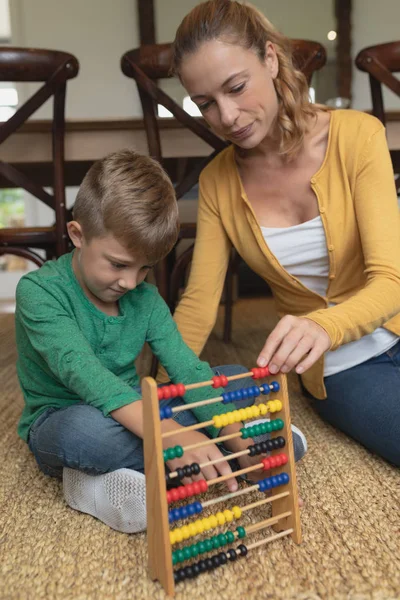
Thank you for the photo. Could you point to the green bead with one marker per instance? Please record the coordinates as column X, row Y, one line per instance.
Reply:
column 245, row 431
column 230, row 536
column 187, row 553
column 178, row 451
column 257, row 430
column 222, row 539
column 202, row 547
column 241, row 532
column 174, row 558
column 215, row 542
column 180, row 555
column 195, row 550
column 170, row 453
column 165, row 454
column 208, row 544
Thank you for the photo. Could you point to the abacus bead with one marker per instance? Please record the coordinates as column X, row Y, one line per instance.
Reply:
column 265, row 389
column 223, row 558
column 261, row 486
column 241, row 532
column 232, row 554
column 209, row 564
column 166, row 392
column 192, row 510
column 243, row 550
column 217, row 422
column 174, row 390
column 216, row 561
column 230, row 418
column 181, row 389
column 256, row 391
column 284, row 459
column 162, row 414
column 180, row 555
column 264, row 447
column 225, row 398
column 266, row 464
column 245, row 431
column 160, row 393
column 203, row 485
column 224, row 380
column 274, row 481
column 242, row 414
column 230, row 537
column 216, row 381
column 249, row 412
column 237, row 512
column 275, row 386
column 220, row 518
column 202, row 566
column 185, row 532
column 208, row 544
column 187, row 471
column 194, row 548
column 178, row 451
column 255, row 411
column 215, row 542
column 252, row 450
column 176, row 514
column 228, row 515
column 222, row 538
column 198, row 506
column 213, row 521
column 286, row 476
column 263, row 409
column 278, row 405
column 245, row 393
column 255, row 372
column 177, row 577
column 258, row 448
column 187, row 553
column 189, row 572
column 282, row 441
column 273, row 462
column 196, row 570
column 195, row 468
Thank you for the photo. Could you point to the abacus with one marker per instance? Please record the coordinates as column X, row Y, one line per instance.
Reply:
column 163, row 562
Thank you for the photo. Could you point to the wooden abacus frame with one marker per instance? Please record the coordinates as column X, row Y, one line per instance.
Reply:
column 159, row 545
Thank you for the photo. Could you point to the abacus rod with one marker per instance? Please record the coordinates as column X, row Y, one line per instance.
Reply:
column 230, row 495
column 177, row 409
column 217, row 460
column 266, row 523
column 264, row 501
column 194, row 386
column 236, row 474
column 272, row 538
column 189, row 428
column 222, row 438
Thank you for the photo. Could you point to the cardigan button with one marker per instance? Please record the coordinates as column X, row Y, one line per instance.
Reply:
column 331, row 248
column 322, row 210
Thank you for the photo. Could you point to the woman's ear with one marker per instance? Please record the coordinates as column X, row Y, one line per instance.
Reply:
column 75, row 233
column 271, row 59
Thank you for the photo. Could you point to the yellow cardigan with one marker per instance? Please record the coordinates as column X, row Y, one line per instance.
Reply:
column 358, row 206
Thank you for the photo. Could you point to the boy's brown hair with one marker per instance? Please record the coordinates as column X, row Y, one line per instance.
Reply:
column 131, row 197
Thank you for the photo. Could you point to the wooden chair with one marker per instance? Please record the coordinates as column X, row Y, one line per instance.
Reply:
column 147, row 65
column 380, row 62
column 53, row 68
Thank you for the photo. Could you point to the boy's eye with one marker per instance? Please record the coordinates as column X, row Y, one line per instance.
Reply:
column 118, row 265
column 237, row 88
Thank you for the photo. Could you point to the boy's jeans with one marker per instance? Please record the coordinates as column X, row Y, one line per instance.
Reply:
column 80, row 437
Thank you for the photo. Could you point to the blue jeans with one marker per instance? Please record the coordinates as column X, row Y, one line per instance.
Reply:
column 81, row 437
column 364, row 403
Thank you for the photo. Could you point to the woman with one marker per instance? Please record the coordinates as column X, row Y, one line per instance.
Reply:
column 307, row 198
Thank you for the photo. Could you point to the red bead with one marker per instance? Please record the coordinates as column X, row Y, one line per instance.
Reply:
column 224, row 381
column 256, row 373
column 203, row 485
column 273, row 461
column 173, row 390
column 174, row 495
column 189, row 490
column 196, row 487
column 167, row 392
column 181, row 389
column 160, row 393
column 284, row 459
column 266, row 464
column 216, row 381
column 169, row 499
column 182, row 492
column 265, row 372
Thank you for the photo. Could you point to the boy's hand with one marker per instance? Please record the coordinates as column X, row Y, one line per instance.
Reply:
column 200, row 456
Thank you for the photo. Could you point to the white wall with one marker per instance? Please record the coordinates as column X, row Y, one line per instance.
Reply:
column 373, row 23
column 4, row 20
column 97, row 32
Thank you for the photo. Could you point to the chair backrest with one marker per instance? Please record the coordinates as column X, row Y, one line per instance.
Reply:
column 150, row 63
column 53, row 69
column 380, row 62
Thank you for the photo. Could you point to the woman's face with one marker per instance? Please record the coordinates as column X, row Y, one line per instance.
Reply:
column 234, row 90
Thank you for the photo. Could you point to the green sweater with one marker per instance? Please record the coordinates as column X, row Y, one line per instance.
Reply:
column 70, row 352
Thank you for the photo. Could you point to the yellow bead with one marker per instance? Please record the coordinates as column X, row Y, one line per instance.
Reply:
column 278, row 405
column 228, row 515
column 224, row 420
column 237, row 512
column 220, row 518
column 192, row 529
column 206, row 523
column 270, row 406
column 217, row 422
column 213, row 521
column 263, row 409
column 199, row 526
column 255, row 410
column 172, row 538
column 249, row 412
column 236, row 416
column 231, row 418
column 178, row 535
column 185, row 532
column 242, row 414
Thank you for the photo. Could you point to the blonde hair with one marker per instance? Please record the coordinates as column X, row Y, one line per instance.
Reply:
column 245, row 25
column 131, row 197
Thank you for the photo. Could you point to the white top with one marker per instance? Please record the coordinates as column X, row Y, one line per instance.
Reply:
column 310, row 265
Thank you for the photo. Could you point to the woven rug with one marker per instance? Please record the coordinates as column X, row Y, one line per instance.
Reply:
column 350, row 519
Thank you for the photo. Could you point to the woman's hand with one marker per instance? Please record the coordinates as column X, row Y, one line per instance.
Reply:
column 296, row 342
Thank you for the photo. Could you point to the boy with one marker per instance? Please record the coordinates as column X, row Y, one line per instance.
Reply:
column 81, row 322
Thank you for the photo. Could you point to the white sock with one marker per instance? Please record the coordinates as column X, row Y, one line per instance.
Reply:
column 118, row 498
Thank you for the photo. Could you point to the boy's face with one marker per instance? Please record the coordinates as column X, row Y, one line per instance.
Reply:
column 105, row 269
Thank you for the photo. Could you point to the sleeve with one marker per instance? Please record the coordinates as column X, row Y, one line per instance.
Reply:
column 181, row 363
column 377, row 214
column 56, row 338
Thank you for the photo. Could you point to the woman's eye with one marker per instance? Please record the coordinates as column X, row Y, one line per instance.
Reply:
column 237, row 88
column 203, row 107
column 118, row 266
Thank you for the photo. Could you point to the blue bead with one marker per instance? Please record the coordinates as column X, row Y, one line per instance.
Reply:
column 198, row 506
column 275, row 386
column 176, row 514
column 285, row 477
column 184, row 512
column 232, row 396
column 225, row 398
column 191, row 509
column 261, row 486
column 168, row 412
column 238, row 394
column 256, row 390
column 265, row 389
column 245, row 393
column 170, row 517
column 162, row 416
column 274, row 481
column 267, row 483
